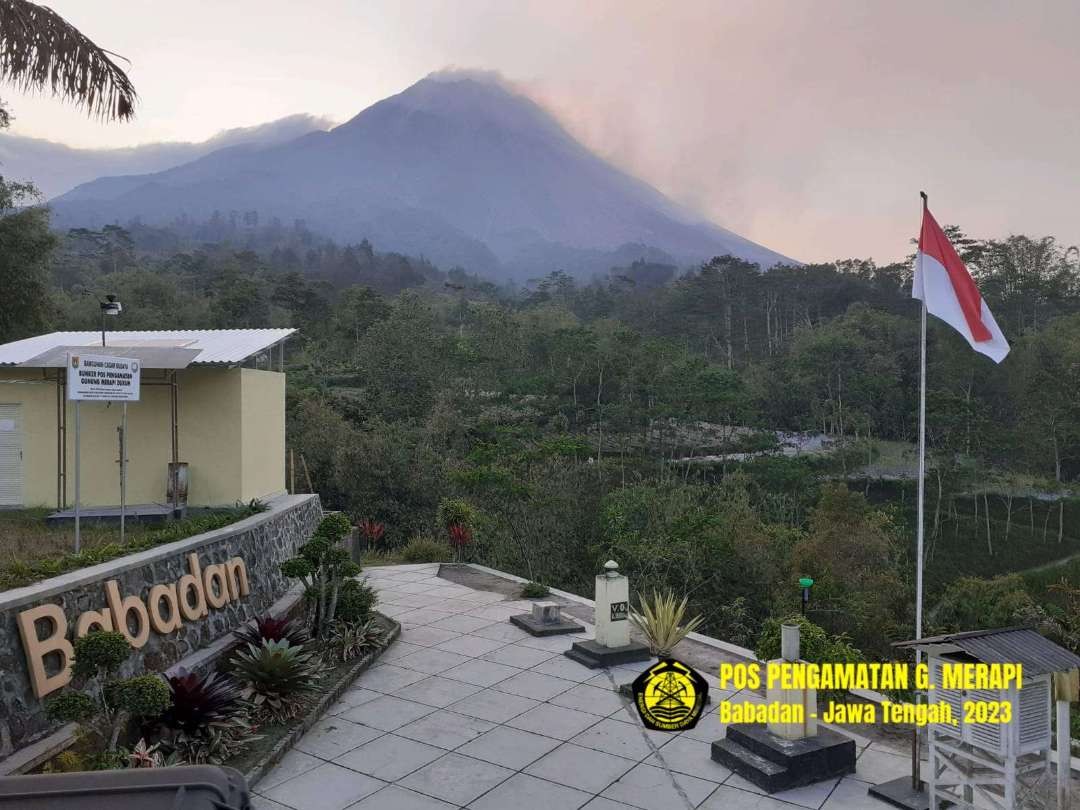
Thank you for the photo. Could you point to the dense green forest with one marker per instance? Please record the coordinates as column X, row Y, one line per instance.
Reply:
column 718, row 430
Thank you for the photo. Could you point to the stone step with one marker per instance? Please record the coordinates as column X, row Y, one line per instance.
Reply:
column 764, row 773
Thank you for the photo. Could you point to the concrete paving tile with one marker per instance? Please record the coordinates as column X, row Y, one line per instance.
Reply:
column 394, row 797
column 357, row 696
column 481, row 673
column 554, row 643
column 600, row 803
column 582, row 768
column 562, row 667
column 524, row 792
column 332, row 736
column 509, row 747
column 515, row 655
column 432, row 661
column 262, row 803
column 709, row 727
column 423, row 616
column 456, row 779
column 483, row 597
column 622, row 739
column 399, row 649
column 387, row 712
column 413, row 587
column 503, row 631
column 387, row 678
column 292, row 764
column 457, row 606
column 875, row 766
column 809, row 796
column 473, row 646
column 445, row 729
column 462, row 624
column 493, row 705
column 328, row 787
column 427, row 636
column 438, row 692
column 849, row 794
column 729, row 798
column 534, row 685
column 652, row 788
column 390, row 757
column 555, row 721
column 692, row 757
column 592, row 699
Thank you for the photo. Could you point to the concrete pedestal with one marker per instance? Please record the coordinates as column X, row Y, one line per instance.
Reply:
column 774, row 763
column 594, row 656
column 545, row 620
column 899, row 793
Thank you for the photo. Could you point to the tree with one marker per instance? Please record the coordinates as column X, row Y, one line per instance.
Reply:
column 40, row 50
column 26, row 243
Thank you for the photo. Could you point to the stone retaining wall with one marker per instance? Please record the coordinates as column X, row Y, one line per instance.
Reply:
column 261, row 541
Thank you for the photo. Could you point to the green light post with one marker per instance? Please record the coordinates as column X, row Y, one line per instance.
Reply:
column 806, row 583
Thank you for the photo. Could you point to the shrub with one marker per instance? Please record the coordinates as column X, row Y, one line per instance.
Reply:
column 217, row 743
column 278, row 678
column 356, row 602
column 323, row 565
column 534, row 590
column 270, row 628
column 372, row 531
column 425, row 549
column 66, row 762
column 141, row 696
column 198, row 701
column 349, row 640
column 71, row 707
column 99, row 653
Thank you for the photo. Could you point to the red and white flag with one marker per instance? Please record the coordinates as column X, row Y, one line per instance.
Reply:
column 943, row 283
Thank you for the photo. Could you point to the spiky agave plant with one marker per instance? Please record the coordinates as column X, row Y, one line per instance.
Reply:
column 278, row 678
column 661, row 620
column 274, row 628
column 198, row 701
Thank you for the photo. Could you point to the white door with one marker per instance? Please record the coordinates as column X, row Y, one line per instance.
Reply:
column 11, row 472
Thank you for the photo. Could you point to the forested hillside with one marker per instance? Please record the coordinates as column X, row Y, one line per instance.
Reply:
column 718, row 429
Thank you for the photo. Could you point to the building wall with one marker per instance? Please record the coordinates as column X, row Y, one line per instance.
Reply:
column 262, row 417
column 231, row 428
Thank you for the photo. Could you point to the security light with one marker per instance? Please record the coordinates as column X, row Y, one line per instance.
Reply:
column 111, row 306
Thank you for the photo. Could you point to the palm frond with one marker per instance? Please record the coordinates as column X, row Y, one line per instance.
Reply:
column 40, row 50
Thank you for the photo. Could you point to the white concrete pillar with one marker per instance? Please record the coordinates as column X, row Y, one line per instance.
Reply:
column 612, row 607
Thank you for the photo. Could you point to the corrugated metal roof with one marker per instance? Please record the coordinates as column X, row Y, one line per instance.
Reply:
column 168, row 357
column 1007, row 645
column 222, row 346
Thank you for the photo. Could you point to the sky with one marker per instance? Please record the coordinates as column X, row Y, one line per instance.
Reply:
column 809, row 127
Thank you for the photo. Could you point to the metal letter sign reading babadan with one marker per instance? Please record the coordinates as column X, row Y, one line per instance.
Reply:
column 620, row 611
column 102, row 378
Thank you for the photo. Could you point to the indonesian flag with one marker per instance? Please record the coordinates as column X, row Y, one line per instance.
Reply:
column 943, row 283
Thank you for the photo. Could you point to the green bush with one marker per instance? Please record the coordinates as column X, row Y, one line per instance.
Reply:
column 356, row 601
column 349, row 640
column 141, row 696
column 334, row 527
column 425, row 549
column 98, row 653
column 815, row 645
column 534, row 590
column 71, row 707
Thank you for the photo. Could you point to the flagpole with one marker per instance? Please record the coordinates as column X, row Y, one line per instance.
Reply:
column 916, row 781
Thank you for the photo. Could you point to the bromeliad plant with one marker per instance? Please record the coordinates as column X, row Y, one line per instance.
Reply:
column 102, row 705
column 661, row 620
column 278, row 678
column 349, row 640
column 323, row 566
column 273, row 628
column 458, row 518
column 372, row 531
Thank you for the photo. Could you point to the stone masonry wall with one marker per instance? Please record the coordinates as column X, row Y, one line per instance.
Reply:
column 262, row 541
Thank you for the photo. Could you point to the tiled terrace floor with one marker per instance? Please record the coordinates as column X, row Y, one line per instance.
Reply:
column 466, row 711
